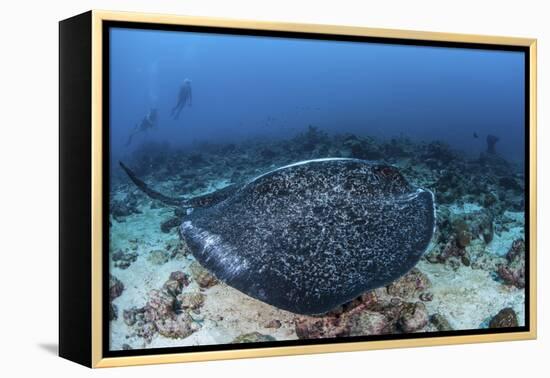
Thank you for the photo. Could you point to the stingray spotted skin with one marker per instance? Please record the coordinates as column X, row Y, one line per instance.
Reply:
column 313, row 235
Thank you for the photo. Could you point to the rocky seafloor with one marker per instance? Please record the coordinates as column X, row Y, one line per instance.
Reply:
column 472, row 276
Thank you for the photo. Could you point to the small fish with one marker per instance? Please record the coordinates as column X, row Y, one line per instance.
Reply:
column 475, row 135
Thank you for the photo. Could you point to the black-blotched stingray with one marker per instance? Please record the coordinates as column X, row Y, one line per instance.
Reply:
column 309, row 236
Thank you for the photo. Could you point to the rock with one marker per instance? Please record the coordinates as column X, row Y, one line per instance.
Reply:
column 159, row 306
column 489, row 200
column 513, row 271
column 462, row 233
column 328, row 326
column 339, row 322
column 413, row 317
column 113, row 312
column 178, row 327
column 175, row 284
column 115, row 290
column 506, row 318
column 410, row 285
column 115, row 287
column 483, row 224
column 170, row 224
column 126, row 347
column 440, row 322
column 451, row 254
column 510, row 183
column 129, row 316
column 146, row 330
column 190, row 301
column 426, row 297
column 177, row 249
column 516, row 251
column 369, row 323
column 450, row 187
column 273, row 324
column 121, row 208
column 158, row 257
column 253, row 337
column 203, row 277
column 123, row 259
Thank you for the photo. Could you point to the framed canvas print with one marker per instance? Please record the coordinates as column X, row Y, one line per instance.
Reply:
column 234, row 189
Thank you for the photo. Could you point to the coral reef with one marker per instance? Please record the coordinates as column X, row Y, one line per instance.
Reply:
column 123, row 258
column 163, row 313
column 513, row 271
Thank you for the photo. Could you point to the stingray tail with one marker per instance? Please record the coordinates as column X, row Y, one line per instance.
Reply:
column 171, row 201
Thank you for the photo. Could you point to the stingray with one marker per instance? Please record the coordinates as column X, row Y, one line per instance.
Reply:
column 309, row 236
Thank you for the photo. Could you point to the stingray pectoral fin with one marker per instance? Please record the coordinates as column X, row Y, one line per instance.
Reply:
column 417, row 216
column 171, row 201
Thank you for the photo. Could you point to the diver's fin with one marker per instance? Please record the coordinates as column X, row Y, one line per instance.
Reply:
column 150, row 192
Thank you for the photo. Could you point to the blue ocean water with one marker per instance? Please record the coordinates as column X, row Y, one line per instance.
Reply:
column 265, row 87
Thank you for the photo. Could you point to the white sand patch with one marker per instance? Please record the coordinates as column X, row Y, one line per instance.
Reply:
column 469, row 297
column 515, row 216
column 465, row 208
column 502, row 241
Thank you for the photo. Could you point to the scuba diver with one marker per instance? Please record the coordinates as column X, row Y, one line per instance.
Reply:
column 185, row 96
column 148, row 122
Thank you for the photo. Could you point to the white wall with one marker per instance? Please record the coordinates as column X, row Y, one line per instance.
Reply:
column 28, row 198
